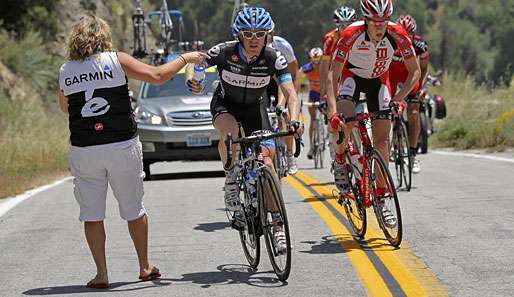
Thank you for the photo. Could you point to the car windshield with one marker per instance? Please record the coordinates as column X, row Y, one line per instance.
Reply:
column 177, row 87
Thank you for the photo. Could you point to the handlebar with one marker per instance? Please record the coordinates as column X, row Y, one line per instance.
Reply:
column 257, row 138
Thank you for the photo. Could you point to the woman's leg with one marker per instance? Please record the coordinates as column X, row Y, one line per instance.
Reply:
column 95, row 237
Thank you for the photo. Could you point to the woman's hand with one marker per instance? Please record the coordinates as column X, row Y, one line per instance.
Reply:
column 197, row 58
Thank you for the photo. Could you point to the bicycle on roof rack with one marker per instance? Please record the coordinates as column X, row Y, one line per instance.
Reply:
column 169, row 38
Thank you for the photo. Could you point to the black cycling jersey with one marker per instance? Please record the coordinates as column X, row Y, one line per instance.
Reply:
column 244, row 83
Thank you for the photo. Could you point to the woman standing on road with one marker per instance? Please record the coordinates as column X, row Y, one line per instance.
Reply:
column 105, row 147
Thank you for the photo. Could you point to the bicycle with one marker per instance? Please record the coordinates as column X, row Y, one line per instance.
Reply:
column 319, row 138
column 280, row 159
column 400, row 152
column 365, row 171
column 256, row 216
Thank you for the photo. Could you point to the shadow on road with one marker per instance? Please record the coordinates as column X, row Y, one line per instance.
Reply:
column 211, row 227
column 329, row 244
column 230, row 274
column 187, row 175
column 78, row 289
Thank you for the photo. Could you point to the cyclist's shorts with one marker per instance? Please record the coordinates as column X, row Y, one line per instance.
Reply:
column 252, row 117
column 313, row 96
column 377, row 90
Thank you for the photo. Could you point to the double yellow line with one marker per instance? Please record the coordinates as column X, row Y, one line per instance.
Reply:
column 383, row 270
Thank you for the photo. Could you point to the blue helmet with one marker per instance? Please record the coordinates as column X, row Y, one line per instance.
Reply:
column 252, row 18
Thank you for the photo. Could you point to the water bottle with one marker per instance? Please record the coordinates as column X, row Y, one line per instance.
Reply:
column 251, row 180
column 199, row 74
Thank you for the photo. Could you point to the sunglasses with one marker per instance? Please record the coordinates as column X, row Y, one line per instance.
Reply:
column 257, row 34
column 378, row 23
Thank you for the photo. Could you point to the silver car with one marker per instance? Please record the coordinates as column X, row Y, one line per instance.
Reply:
column 174, row 124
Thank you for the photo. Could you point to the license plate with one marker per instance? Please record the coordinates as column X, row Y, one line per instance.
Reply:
column 198, row 140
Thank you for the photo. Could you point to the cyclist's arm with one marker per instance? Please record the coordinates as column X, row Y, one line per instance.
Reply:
column 414, row 74
column 287, row 88
column 323, row 75
column 156, row 74
column 293, row 69
column 333, row 77
column 63, row 101
column 423, row 64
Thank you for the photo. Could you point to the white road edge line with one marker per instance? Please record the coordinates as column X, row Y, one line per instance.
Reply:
column 9, row 203
column 474, row 156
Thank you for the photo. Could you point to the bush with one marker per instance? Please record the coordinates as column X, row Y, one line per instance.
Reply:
column 33, row 145
column 478, row 117
column 29, row 59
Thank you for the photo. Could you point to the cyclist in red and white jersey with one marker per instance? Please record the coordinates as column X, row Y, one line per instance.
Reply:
column 343, row 17
column 398, row 76
column 361, row 64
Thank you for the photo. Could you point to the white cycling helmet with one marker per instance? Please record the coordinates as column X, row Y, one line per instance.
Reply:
column 377, row 8
column 315, row 52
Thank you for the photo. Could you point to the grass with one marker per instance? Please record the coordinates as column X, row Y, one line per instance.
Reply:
column 477, row 117
column 33, row 145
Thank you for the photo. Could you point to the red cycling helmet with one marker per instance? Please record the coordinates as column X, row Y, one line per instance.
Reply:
column 408, row 23
column 376, row 8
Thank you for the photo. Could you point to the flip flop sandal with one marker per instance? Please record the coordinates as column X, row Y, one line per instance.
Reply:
column 97, row 285
column 155, row 274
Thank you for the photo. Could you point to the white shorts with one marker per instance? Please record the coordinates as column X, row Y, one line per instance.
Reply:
column 121, row 165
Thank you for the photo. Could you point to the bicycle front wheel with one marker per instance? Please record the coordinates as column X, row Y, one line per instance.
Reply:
column 273, row 215
column 385, row 199
column 401, row 156
column 249, row 234
column 355, row 210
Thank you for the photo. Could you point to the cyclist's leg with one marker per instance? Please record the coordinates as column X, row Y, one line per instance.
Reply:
column 349, row 92
column 313, row 98
column 225, row 122
column 378, row 98
column 413, row 109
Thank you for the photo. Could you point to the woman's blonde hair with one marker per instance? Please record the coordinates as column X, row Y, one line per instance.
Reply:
column 90, row 35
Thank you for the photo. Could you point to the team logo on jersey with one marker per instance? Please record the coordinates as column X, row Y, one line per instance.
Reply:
column 214, row 51
column 245, row 81
column 95, row 107
column 407, row 52
column 280, row 63
column 234, row 58
column 99, row 127
column 363, row 46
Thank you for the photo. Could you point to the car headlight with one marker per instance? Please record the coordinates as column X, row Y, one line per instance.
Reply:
column 144, row 116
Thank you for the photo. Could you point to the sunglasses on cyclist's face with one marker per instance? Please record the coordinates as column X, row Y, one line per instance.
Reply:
column 379, row 23
column 257, row 34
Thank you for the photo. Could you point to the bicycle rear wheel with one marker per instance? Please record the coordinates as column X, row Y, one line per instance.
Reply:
column 355, row 210
column 316, row 142
column 321, row 143
column 249, row 234
column 387, row 204
column 270, row 198
column 401, row 156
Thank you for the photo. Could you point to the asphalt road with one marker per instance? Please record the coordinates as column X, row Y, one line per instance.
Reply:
column 458, row 239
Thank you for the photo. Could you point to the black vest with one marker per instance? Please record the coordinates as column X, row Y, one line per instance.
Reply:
column 98, row 102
